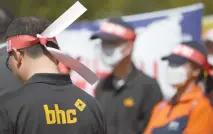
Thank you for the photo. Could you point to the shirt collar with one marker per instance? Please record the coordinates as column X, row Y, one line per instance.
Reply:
column 191, row 94
column 108, row 84
column 56, row 79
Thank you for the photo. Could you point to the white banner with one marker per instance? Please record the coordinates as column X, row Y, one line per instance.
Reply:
column 157, row 34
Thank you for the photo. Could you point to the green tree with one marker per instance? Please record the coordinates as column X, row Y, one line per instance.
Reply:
column 51, row 9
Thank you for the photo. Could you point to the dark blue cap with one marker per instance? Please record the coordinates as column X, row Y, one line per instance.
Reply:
column 178, row 60
column 110, row 37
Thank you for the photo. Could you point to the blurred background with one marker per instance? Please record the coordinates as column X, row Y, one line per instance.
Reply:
column 100, row 9
column 157, row 33
column 97, row 8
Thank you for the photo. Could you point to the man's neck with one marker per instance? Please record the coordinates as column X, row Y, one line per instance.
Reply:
column 184, row 89
column 122, row 70
column 42, row 67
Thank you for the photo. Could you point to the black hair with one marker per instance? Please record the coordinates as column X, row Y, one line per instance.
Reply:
column 30, row 26
column 209, row 84
column 203, row 76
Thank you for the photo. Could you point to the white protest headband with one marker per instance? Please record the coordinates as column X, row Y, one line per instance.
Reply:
column 56, row 28
column 60, row 24
column 66, row 19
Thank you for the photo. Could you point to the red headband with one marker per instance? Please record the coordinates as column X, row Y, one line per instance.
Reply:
column 118, row 30
column 24, row 41
column 192, row 54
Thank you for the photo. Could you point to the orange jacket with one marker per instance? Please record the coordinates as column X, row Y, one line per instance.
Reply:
column 192, row 114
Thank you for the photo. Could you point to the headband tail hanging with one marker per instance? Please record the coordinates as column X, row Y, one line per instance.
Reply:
column 74, row 64
column 57, row 27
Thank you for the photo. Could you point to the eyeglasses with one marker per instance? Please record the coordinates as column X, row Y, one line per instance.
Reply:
column 7, row 61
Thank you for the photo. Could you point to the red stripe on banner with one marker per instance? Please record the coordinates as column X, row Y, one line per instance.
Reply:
column 155, row 69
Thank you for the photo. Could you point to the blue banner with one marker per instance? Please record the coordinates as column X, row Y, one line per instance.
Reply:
column 191, row 22
column 157, row 33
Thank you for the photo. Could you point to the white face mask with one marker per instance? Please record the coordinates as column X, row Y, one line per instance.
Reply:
column 210, row 59
column 112, row 55
column 177, row 75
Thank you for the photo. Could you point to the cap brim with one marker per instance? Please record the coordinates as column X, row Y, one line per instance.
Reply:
column 105, row 36
column 175, row 59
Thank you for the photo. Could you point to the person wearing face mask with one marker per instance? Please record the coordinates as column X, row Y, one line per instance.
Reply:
column 189, row 111
column 7, row 80
column 127, row 95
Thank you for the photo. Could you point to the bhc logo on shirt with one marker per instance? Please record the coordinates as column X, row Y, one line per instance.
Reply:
column 58, row 116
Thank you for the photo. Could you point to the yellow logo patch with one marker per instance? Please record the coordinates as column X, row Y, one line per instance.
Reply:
column 129, row 102
column 59, row 116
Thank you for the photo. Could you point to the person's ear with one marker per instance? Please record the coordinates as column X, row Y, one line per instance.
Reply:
column 17, row 56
